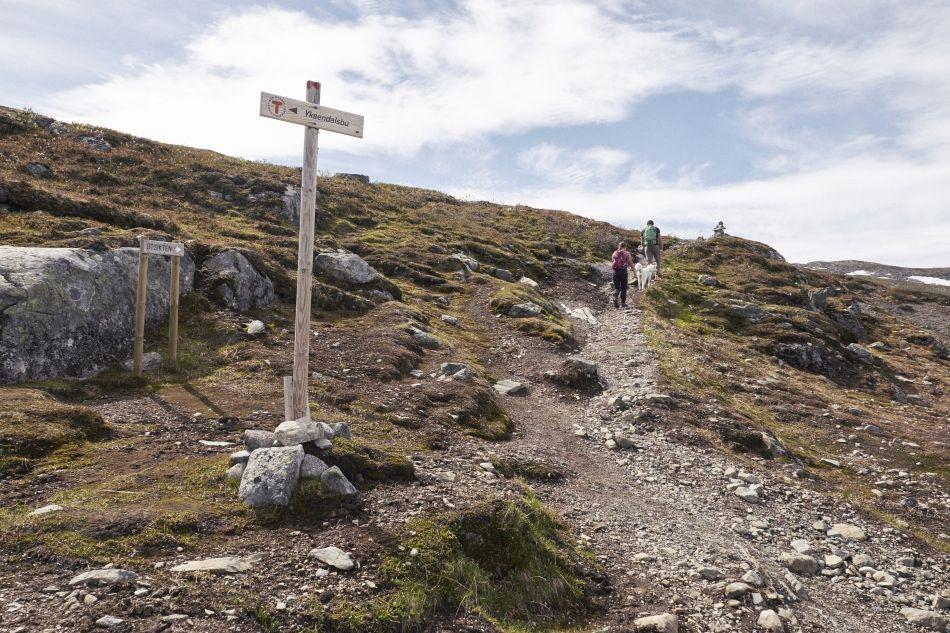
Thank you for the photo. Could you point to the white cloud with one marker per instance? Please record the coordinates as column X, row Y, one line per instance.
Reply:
column 565, row 165
column 491, row 68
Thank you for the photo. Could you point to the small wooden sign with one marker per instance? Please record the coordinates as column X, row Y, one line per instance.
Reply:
column 311, row 115
column 155, row 247
column 176, row 251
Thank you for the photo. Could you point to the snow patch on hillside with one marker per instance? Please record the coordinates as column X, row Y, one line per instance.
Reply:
column 936, row 281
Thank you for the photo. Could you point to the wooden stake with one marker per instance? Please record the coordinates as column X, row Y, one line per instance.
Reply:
column 140, row 309
column 308, row 200
column 289, row 398
column 173, row 314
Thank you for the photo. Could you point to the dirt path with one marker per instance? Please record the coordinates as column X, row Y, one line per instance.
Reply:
column 657, row 514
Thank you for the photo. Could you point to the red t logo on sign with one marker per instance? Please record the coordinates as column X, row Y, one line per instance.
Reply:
column 277, row 106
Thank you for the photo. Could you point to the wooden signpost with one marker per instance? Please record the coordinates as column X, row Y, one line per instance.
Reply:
column 315, row 117
column 176, row 251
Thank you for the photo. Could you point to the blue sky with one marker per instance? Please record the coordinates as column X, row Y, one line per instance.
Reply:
column 821, row 127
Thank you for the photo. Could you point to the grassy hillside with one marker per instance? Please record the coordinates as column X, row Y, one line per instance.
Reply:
column 769, row 346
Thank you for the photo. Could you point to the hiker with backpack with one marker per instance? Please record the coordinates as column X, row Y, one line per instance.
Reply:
column 622, row 261
column 652, row 245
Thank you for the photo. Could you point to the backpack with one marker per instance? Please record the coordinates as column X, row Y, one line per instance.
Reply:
column 619, row 262
column 650, row 234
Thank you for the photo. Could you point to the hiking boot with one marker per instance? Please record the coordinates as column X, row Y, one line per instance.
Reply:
column 616, row 302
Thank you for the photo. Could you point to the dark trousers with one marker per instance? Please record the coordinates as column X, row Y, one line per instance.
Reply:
column 620, row 285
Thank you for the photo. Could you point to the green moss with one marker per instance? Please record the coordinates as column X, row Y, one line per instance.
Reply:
column 529, row 469
column 369, row 466
column 33, row 425
column 153, row 511
column 507, row 561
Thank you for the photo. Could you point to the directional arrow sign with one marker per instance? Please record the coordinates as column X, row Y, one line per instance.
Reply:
column 155, row 247
column 311, row 115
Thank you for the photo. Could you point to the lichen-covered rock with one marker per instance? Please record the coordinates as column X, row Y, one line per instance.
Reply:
column 255, row 439
column 344, row 266
column 271, row 475
column 525, row 310
column 312, row 467
column 336, row 482
column 425, row 339
column 290, row 205
column 235, row 283
column 68, row 312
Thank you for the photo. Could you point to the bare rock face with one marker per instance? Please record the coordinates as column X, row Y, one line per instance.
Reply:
column 68, row 312
column 235, row 283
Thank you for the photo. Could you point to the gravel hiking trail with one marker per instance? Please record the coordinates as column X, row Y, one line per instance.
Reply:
column 659, row 516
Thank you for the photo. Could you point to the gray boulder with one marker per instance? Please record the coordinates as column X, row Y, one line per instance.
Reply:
column 342, row 429
column 819, row 298
column 924, row 619
column 151, row 361
column 525, row 310
column 271, row 475
column 95, row 142
column 109, row 576
column 708, row 280
column 362, row 178
column 800, row 563
column 849, row 323
column 503, row 273
column 68, row 312
column 235, row 283
column 467, row 262
column 290, row 205
column 301, row 431
column 425, row 339
column 344, row 266
column 508, row 387
column 336, row 482
column 312, row 467
column 236, row 472
column 747, row 311
column 450, row 369
column 576, row 372
column 38, row 170
column 861, row 353
column 665, row 623
column 254, row 439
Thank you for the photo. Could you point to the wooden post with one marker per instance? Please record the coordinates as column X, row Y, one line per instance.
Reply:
column 140, row 309
column 308, row 200
column 289, row 398
column 173, row 313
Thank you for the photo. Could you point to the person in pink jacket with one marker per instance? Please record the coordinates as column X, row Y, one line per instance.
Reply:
column 621, row 262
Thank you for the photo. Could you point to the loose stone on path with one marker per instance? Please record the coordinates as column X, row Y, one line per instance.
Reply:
column 334, row 557
column 222, row 565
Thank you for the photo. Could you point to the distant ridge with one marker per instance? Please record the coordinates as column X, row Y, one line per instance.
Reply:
column 857, row 268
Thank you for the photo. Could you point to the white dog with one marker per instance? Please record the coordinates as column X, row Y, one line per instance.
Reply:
column 645, row 275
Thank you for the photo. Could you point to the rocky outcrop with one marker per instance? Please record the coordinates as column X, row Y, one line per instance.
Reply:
column 290, row 205
column 234, row 282
column 68, row 312
column 344, row 266
column 345, row 282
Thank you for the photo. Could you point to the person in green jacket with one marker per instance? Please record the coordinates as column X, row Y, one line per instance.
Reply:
column 652, row 244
